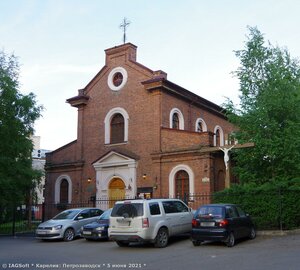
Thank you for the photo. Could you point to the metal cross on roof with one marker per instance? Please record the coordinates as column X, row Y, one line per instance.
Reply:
column 125, row 23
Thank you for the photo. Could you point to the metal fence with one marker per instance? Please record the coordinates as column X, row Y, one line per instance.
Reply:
column 280, row 214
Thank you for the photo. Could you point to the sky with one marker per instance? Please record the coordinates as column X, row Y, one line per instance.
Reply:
column 60, row 46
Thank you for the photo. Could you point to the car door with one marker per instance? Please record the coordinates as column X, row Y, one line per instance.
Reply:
column 234, row 221
column 245, row 222
column 172, row 217
column 185, row 217
column 82, row 218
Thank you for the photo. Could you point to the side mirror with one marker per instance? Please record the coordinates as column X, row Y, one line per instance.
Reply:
column 79, row 218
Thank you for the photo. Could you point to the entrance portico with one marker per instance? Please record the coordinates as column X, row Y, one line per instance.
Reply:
column 115, row 176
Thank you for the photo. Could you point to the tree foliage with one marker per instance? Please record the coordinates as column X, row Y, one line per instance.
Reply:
column 269, row 112
column 17, row 115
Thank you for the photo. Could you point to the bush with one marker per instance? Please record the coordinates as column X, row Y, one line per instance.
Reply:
column 274, row 205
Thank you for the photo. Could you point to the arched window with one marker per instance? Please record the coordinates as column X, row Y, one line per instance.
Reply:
column 64, row 191
column 219, row 136
column 117, row 128
column 175, row 121
column 181, row 184
column 200, row 125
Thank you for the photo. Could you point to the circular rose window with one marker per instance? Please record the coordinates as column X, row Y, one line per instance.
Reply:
column 117, row 78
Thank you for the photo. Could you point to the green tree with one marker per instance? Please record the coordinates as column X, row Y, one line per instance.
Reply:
column 17, row 115
column 269, row 112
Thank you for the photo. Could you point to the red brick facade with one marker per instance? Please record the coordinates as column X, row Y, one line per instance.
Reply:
column 152, row 152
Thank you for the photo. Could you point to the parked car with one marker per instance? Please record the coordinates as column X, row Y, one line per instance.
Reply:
column 66, row 225
column 152, row 220
column 97, row 229
column 221, row 222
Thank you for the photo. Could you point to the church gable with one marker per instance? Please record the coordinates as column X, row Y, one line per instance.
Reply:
column 113, row 158
column 120, row 64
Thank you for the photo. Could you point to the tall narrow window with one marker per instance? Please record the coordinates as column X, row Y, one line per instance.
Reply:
column 117, row 128
column 175, row 121
column 217, row 137
column 182, row 184
column 199, row 127
column 64, row 191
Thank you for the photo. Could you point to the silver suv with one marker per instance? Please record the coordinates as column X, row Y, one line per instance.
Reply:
column 153, row 220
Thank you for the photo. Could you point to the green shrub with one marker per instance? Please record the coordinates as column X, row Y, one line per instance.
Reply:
column 274, row 205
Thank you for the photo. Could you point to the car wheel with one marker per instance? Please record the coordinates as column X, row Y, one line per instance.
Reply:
column 230, row 240
column 252, row 233
column 196, row 243
column 69, row 235
column 162, row 238
column 122, row 244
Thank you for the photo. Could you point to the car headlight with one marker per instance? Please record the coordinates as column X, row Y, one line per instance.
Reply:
column 57, row 227
column 100, row 228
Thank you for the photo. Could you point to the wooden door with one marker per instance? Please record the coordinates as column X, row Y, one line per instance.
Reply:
column 116, row 191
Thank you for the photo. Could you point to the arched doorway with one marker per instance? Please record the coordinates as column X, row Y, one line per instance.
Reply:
column 182, row 187
column 64, row 191
column 116, row 191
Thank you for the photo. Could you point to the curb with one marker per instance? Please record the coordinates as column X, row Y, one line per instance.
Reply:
column 278, row 233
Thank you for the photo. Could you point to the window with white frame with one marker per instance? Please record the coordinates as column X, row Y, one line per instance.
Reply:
column 219, row 136
column 200, row 125
column 116, row 126
column 176, row 119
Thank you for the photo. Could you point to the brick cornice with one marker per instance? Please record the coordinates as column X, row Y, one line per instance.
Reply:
column 169, row 87
column 63, row 165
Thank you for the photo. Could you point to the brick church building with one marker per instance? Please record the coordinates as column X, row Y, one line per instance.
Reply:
column 138, row 134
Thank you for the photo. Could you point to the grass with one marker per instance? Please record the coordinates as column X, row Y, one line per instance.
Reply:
column 20, row 226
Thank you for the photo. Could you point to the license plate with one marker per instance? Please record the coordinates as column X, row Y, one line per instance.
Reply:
column 124, row 222
column 207, row 224
column 41, row 232
column 87, row 232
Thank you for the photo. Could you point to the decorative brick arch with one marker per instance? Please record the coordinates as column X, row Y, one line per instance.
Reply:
column 172, row 179
column 107, row 121
column 57, row 188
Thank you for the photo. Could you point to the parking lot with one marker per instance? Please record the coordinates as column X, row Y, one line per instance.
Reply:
column 265, row 252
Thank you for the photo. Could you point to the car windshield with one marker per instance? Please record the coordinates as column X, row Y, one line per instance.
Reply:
column 67, row 214
column 128, row 209
column 210, row 211
column 106, row 214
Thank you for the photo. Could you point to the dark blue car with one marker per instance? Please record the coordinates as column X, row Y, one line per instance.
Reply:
column 221, row 222
column 98, row 229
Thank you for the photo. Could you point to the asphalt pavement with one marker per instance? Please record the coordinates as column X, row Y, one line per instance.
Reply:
column 274, row 252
